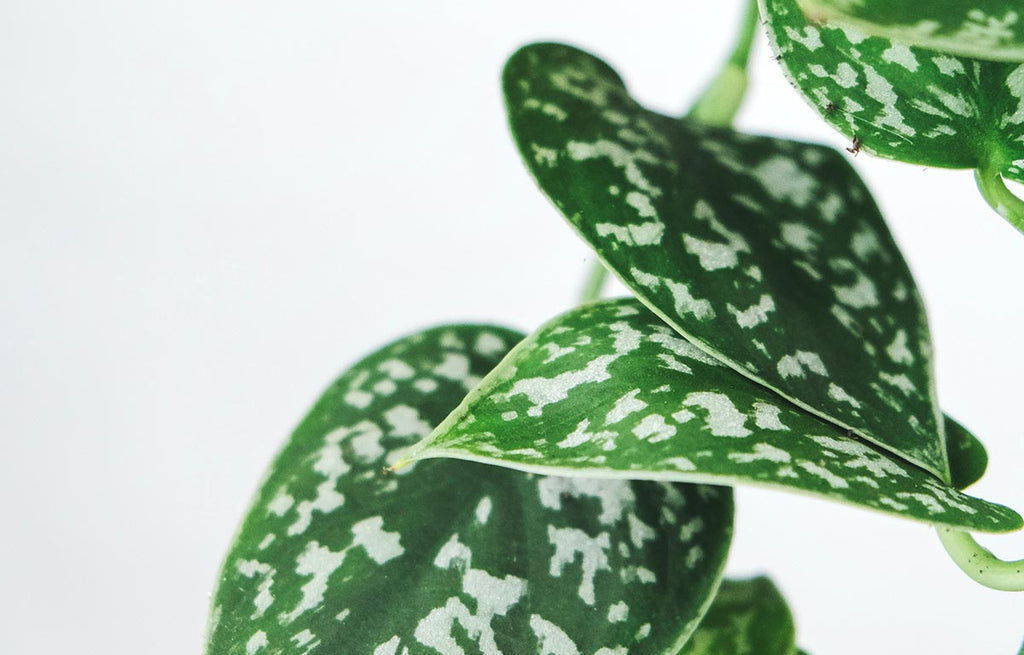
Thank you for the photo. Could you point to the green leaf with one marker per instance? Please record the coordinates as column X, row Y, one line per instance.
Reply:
column 451, row 557
column 768, row 254
column 983, row 29
column 905, row 103
column 747, row 616
column 609, row 390
column 967, row 457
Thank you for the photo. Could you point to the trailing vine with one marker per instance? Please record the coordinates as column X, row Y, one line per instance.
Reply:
column 579, row 479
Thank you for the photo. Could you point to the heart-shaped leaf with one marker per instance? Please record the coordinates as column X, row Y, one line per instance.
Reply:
column 901, row 102
column 455, row 557
column 609, row 390
column 984, row 29
column 769, row 254
column 747, row 616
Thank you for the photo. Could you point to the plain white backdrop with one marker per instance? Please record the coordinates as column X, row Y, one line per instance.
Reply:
column 209, row 209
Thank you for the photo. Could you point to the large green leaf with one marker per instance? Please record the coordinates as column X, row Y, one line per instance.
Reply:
column 748, row 617
column 453, row 557
column 985, row 29
column 904, row 103
column 609, row 390
column 769, row 254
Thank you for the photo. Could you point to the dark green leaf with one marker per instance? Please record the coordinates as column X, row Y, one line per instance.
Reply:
column 904, row 103
column 452, row 557
column 967, row 457
column 768, row 254
column 748, row 617
column 609, row 390
column 984, row 29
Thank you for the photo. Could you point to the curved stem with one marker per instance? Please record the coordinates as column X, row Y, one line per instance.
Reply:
column 980, row 564
column 993, row 189
column 595, row 282
column 722, row 98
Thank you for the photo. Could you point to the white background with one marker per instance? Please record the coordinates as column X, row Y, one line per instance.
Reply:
column 209, row 209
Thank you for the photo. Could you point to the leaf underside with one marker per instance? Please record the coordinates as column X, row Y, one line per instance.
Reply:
column 609, row 390
column 770, row 254
column 905, row 103
column 984, row 29
column 747, row 616
column 451, row 557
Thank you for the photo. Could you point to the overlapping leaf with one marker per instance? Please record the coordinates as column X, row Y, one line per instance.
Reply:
column 985, row 29
column 747, row 616
column 967, row 457
column 767, row 253
column 609, row 390
column 901, row 102
column 453, row 557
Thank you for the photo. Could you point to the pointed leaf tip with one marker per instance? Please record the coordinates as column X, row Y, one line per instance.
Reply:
column 609, row 390
column 767, row 253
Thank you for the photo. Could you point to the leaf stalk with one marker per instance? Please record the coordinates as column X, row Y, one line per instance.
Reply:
column 980, row 564
column 594, row 283
column 993, row 189
column 722, row 98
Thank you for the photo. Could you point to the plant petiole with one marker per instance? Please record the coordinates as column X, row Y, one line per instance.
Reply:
column 595, row 283
column 980, row 564
column 993, row 189
column 722, row 98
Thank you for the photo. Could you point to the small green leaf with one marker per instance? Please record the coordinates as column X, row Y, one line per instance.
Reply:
column 609, row 390
column 455, row 557
column 967, row 457
column 747, row 616
column 905, row 103
column 983, row 29
column 767, row 253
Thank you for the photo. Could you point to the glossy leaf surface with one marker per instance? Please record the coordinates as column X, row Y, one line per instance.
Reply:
column 609, row 390
column 983, row 29
column 747, row 616
column 901, row 102
column 452, row 557
column 967, row 456
column 770, row 254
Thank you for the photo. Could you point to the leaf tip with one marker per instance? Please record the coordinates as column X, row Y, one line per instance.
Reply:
column 399, row 464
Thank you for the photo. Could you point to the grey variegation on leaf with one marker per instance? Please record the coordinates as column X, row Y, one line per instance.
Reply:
column 452, row 557
column 748, row 616
column 769, row 254
column 905, row 103
column 983, row 29
column 610, row 390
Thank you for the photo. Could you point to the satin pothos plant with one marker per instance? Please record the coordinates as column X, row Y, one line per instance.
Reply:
column 472, row 489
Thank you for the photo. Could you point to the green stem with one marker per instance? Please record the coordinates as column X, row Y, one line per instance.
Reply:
column 717, row 105
column 722, row 98
column 993, row 189
column 595, row 282
column 980, row 564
